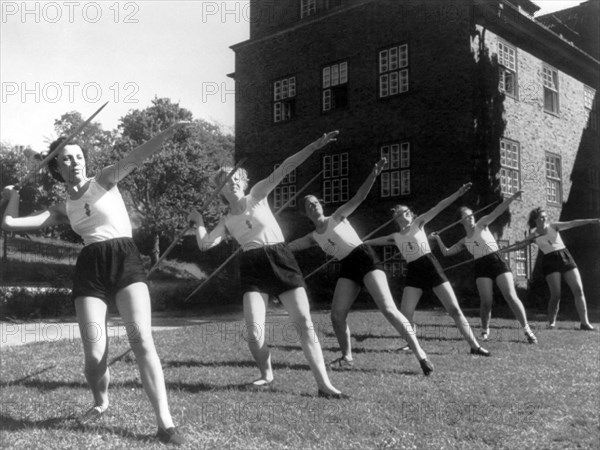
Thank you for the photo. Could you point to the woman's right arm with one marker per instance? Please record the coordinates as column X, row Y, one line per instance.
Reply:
column 383, row 240
column 302, row 243
column 449, row 251
column 204, row 239
column 55, row 215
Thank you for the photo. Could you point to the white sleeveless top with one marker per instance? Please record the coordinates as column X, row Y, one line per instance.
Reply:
column 482, row 243
column 256, row 226
column 99, row 214
column 338, row 240
column 413, row 244
column 550, row 242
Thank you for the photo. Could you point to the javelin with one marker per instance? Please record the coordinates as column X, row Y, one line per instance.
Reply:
column 218, row 189
column 469, row 215
column 58, row 148
column 285, row 205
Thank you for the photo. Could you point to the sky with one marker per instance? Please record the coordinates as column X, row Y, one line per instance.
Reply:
column 62, row 56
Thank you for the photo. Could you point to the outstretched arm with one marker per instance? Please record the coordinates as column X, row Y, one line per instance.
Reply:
column 497, row 212
column 426, row 217
column 264, row 187
column 111, row 175
column 449, row 251
column 11, row 221
column 302, row 243
column 574, row 223
column 350, row 206
column 383, row 240
column 204, row 239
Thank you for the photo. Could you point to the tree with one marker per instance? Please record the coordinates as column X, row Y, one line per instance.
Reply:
column 177, row 178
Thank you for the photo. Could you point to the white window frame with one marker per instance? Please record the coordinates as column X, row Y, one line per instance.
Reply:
column 285, row 190
column 393, row 265
column 521, row 263
column 332, row 76
column 284, row 93
column 336, row 184
column 393, row 71
column 551, row 89
column 553, row 179
column 395, row 175
column 510, row 166
column 307, row 8
column 589, row 103
column 507, row 59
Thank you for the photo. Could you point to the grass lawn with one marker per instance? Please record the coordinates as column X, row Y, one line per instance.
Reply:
column 524, row 396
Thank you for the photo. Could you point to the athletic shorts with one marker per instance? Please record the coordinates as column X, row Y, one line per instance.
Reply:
column 424, row 272
column 104, row 268
column 490, row 266
column 558, row 261
column 271, row 269
column 360, row 262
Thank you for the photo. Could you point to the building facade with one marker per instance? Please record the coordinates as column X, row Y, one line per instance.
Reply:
column 448, row 91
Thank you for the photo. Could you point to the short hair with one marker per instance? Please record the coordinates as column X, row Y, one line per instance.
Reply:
column 397, row 208
column 463, row 210
column 533, row 216
column 302, row 205
column 222, row 173
column 53, row 163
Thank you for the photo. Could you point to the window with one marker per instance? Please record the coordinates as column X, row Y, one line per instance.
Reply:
column 510, row 174
column 589, row 102
column 395, row 176
column 521, row 262
column 393, row 71
column 550, row 82
column 307, row 8
column 392, row 262
column 335, row 86
column 286, row 190
column 508, row 69
column 553, row 179
column 335, row 178
column 284, row 93
column 333, row 3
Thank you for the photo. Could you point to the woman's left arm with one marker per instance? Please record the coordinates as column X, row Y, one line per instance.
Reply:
column 574, row 223
column 264, row 187
column 350, row 206
column 498, row 210
column 111, row 175
column 426, row 217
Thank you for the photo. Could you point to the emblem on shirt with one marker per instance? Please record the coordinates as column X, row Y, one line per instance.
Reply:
column 331, row 242
column 249, row 224
column 88, row 211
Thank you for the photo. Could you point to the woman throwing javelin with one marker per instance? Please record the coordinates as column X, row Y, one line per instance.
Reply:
column 423, row 270
column 360, row 265
column 558, row 263
column 108, row 269
column 267, row 267
column 489, row 266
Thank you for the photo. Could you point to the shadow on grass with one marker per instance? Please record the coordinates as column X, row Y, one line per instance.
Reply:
column 68, row 423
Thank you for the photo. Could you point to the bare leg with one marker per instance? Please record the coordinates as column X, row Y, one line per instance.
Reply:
column 345, row 293
column 91, row 315
column 507, row 288
column 408, row 304
column 573, row 279
column 377, row 285
column 133, row 303
column 255, row 310
column 485, row 287
column 296, row 303
column 446, row 295
column 553, row 281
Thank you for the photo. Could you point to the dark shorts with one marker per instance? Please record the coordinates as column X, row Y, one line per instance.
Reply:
column 490, row 266
column 104, row 268
column 360, row 262
column 271, row 269
column 424, row 273
column 559, row 261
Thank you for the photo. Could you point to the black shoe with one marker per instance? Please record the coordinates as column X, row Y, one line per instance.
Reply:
column 426, row 366
column 587, row 327
column 480, row 351
column 340, row 396
column 170, row 436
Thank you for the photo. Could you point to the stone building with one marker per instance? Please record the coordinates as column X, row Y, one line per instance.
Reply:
column 449, row 91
